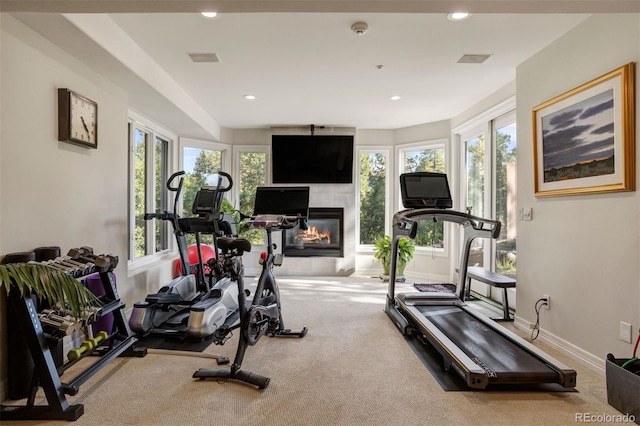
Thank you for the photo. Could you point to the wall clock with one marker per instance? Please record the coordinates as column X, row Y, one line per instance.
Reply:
column 77, row 119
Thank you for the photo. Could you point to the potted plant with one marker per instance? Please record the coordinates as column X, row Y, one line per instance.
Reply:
column 382, row 252
column 48, row 283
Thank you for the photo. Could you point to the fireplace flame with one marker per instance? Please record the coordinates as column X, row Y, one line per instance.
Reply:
column 313, row 236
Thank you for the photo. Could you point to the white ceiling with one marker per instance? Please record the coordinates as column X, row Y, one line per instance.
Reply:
column 305, row 68
column 312, row 69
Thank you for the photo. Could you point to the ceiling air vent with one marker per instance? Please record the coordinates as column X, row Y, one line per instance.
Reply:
column 204, row 57
column 473, row 59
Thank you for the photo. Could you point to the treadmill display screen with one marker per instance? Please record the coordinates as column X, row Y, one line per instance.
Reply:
column 424, row 189
column 284, row 200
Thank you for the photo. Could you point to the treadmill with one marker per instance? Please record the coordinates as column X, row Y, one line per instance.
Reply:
column 483, row 353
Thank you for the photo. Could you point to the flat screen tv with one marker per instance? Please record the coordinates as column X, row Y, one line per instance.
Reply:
column 312, row 159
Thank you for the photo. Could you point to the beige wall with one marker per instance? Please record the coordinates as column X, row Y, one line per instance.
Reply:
column 582, row 250
column 54, row 193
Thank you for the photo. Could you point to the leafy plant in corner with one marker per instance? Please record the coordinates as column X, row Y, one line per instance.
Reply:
column 54, row 286
column 382, row 252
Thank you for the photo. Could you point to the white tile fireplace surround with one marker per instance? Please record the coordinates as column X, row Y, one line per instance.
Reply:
column 327, row 195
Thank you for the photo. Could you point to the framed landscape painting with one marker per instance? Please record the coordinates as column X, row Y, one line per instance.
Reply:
column 584, row 139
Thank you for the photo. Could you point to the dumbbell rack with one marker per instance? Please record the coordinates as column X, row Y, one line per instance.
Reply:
column 46, row 375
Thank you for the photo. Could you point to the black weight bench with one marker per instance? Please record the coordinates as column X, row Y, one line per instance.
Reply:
column 494, row 280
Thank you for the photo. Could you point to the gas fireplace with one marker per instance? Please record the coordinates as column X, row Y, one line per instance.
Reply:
column 323, row 237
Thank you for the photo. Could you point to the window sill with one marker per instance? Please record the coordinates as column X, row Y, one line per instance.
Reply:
column 428, row 251
column 144, row 264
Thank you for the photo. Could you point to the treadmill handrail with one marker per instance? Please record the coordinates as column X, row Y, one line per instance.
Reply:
column 405, row 224
column 410, row 216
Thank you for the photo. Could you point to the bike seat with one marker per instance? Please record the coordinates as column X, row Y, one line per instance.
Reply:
column 239, row 244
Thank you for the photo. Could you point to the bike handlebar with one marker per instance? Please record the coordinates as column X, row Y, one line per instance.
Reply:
column 173, row 176
column 225, row 188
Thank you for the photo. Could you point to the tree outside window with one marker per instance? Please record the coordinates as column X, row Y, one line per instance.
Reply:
column 140, row 192
column 506, row 191
column 162, row 199
column 149, row 162
column 373, row 183
column 252, row 167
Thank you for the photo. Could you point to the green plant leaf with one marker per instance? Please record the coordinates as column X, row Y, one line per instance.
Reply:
column 48, row 283
column 383, row 248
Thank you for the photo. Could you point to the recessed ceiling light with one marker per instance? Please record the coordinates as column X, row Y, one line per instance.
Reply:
column 395, row 97
column 250, row 97
column 209, row 14
column 458, row 16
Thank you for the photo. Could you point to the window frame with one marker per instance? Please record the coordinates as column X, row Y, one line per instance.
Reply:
column 484, row 130
column 484, row 122
column 153, row 130
column 400, row 149
column 208, row 145
column 225, row 150
column 225, row 160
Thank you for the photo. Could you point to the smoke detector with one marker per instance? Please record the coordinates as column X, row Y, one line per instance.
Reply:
column 359, row 28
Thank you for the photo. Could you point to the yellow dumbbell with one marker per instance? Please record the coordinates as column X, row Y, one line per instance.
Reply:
column 86, row 346
column 100, row 337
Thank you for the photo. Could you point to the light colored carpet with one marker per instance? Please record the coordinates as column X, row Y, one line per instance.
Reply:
column 352, row 368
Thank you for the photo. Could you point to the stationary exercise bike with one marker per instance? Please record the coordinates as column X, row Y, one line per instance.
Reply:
column 192, row 305
column 275, row 209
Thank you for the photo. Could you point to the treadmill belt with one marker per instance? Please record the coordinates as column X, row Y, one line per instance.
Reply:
column 504, row 361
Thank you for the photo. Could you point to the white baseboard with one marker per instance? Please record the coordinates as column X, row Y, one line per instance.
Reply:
column 427, row 278
column 594, row 363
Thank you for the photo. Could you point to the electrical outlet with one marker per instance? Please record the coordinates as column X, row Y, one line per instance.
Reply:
column 625, row 332
column 548, row 305
column 527, row 214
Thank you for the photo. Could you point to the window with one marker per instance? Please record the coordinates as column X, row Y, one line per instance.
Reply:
column 197, row 163
column 148, row 170
column 252, row 171
column 200, row 159
column 161, row 174
column 373, row 188
column 506, row 191
column 487, row 147
column 425, row 157
column 474, row 187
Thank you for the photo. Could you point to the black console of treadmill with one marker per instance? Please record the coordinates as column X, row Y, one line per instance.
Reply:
column 425, row 190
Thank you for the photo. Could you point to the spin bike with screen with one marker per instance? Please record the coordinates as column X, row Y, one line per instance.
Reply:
column 276, row 208
column 483, row 353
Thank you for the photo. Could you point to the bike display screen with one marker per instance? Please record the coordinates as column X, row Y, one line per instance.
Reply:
column 282, row 200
